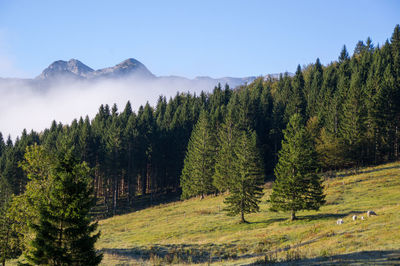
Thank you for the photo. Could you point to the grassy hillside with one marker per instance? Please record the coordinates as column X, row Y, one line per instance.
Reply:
column 197, row 231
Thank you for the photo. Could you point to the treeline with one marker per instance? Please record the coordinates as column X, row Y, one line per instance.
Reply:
column 136, row 154
column 351, row 107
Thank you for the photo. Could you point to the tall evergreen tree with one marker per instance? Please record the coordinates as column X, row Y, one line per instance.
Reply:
column 245, row 186
column 297, row 185
column 296, row 102
column 395, row 47
column 227, row 139
column 313, row 106
column 64, row 232
column 329, row 100
column 198, row 170
column 353, row 125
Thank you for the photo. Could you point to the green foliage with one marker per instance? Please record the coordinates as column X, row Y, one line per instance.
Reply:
column 64, row 232
column 10, row 244
column 227, row 140
column 297, row 185
column 330, row 150
column 353, row 126
column 198, row 170
column 24, row 208
column 296, row 102
column 246, row 177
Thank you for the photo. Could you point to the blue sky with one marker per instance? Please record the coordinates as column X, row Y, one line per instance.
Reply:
column 187, row 38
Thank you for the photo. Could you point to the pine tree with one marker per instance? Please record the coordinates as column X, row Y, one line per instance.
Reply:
column 296, row 102
column 395, row 45
column 64, row 232
column 198, row 170
column 2, row 145
column 246, row 178
column 386, row 112
column 227, row 139
column 329, row 100
column 313, row 106
column 353, row 125
column 297, row 185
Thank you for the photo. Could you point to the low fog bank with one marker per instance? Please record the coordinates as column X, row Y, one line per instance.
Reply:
column 31, row 105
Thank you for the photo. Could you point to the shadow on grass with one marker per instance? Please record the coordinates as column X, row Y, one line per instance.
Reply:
column 350, row 172
column 269, row 221
column 312, row 217
column 177, row 253
column 325, row 216
column 374, row 257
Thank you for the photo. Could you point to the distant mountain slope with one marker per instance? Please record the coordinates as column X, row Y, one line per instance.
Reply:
column 128, row 69
column 72, row 68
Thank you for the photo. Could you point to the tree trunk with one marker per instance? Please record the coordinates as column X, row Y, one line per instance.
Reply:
column 149, row 185
column 293, row 216
column 115, row 194
column 396, row 145
column 242, row 220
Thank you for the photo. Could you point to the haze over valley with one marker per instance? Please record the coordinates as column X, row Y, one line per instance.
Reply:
column 67, row 90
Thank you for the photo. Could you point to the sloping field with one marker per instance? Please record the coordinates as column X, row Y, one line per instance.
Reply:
column 198, row 231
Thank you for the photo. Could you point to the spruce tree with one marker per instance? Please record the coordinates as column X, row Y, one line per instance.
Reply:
column 227, row 139
column 313, row 106
column 330, row 101
column 353, row 126
column 64, row 232
column 247, row 177
column 395, row 46
column 386, row 112
column 198, row 169
column 297, row 185
column 296, row 102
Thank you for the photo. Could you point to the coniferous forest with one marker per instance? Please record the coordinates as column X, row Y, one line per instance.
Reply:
column 185, row 146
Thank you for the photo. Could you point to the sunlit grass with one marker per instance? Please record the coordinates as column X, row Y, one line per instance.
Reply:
column 198, row 231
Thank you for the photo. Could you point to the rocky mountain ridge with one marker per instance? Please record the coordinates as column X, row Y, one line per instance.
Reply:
column 130, row 69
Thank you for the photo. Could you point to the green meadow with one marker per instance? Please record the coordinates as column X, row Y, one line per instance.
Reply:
column 197, row 231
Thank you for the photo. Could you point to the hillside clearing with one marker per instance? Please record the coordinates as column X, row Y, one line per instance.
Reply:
column 198, row 231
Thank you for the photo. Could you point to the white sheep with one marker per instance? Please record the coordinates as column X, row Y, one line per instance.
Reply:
column 354, row 217
column 340, row 221
column 370, row 213
column 362, row 217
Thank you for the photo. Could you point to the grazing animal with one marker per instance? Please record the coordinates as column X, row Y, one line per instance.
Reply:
column 354, row 217
column 370, row 213
column 340, row 221
column 362, row 217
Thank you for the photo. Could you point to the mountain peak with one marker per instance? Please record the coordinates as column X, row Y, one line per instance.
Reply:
column 130, row 61
column 127, row 67
column 129, row 64
column 76, row 69
column 72, row 68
